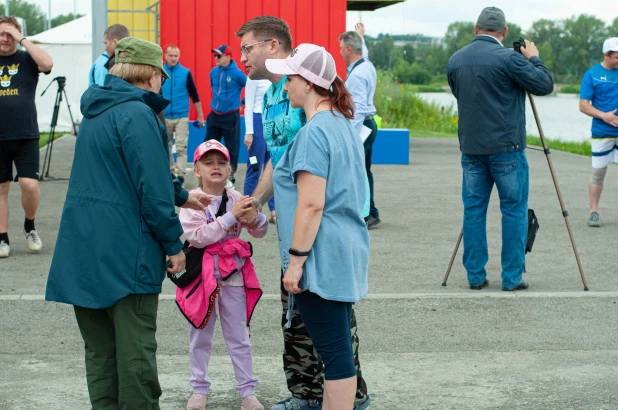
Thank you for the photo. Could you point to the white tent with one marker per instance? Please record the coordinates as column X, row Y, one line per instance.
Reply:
column 69, row 46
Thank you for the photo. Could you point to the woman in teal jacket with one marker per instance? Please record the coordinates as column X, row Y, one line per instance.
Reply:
column 117, row 226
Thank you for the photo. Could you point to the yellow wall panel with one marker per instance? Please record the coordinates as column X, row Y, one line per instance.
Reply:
column 137, row 22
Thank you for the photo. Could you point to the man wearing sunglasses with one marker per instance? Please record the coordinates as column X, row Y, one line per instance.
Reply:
column 227, row 81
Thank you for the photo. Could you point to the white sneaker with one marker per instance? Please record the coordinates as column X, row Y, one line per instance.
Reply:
column 5, row 249
column 33, row 241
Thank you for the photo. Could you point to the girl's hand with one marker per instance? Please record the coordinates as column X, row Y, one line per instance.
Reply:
column 243, row 205
column 292, row 277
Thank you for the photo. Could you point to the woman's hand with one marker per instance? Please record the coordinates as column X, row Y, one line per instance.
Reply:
column 292, row 277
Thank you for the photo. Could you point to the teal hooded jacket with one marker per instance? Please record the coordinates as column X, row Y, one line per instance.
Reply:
column 118, row 221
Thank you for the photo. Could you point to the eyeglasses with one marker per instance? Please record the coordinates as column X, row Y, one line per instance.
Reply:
column 218, row 56
column 244, row 50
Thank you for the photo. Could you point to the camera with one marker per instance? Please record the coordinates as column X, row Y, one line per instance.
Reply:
column 517, row 45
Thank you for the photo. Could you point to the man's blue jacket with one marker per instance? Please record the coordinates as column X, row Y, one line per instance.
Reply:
column 490, row 84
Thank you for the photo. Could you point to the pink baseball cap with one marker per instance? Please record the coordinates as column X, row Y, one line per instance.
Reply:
column 210, row 145
column 311, row 62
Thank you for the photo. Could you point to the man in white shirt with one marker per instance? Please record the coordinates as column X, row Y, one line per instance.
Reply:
column 254, row 138
column 361, row 82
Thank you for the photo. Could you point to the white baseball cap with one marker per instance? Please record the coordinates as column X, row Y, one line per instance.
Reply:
column 611, row 44
column 311, row 62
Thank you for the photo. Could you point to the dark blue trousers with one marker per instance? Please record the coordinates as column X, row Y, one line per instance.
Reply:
column 259, row 149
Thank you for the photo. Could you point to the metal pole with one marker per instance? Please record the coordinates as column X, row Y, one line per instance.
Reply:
column 99, row 25
column 6, row 8
column 74, row 9
column 49, row 15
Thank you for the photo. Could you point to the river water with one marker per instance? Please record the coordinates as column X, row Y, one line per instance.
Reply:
column 559, row 114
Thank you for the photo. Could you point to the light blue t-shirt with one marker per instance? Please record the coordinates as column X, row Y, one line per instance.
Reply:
column 281, row 122
column 600, row 86
column 328, row 146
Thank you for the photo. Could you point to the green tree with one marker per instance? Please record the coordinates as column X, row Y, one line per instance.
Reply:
column 612, row 30
column 458, row 35
column 551, row 32
column 380, row 52
column 547, row 55
column 585, row 35
column 64, row 18
column 31, row 13
column 409, row 54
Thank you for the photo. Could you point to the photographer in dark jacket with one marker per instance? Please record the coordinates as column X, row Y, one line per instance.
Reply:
column 490, row 84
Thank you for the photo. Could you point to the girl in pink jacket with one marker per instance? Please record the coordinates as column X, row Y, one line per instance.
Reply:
column 235, row 296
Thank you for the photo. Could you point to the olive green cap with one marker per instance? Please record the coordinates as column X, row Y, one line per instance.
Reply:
column 140, row 51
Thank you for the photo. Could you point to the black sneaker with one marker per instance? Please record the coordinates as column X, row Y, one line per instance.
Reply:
column 522, row 286
column 481, row 286
column 372, row 221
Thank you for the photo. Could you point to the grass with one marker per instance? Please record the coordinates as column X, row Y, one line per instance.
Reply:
column 45, row 137
column 579, row 148
column 569, row 89
column 431, row 88
column 400, row 107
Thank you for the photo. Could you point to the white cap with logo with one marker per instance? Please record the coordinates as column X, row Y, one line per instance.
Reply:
column 312, row 62
column 611, row 44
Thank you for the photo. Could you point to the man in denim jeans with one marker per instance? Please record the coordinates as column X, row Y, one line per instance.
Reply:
column 490, row 84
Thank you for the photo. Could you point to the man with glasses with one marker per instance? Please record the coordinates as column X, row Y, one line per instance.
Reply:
column 227, row 81
column 268, row 37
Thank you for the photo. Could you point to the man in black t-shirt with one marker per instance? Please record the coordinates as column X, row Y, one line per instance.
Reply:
column 19, row 131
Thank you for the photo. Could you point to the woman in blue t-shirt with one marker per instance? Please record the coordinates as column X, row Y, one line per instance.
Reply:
column 320, row 190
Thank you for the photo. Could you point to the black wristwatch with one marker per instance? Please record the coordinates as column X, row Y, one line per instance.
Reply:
column 22, row 39
column 298, row 253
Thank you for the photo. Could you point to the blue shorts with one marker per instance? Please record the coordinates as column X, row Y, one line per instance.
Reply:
column 328, row 324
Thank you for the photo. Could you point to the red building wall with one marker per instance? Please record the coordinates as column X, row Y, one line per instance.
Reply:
column 198, row 26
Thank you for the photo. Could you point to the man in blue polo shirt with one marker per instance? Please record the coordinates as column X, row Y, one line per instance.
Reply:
column 227, row 81
column 599, row 99
column 178, row 90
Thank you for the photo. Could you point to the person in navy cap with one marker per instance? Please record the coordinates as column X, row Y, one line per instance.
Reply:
column 227, row 81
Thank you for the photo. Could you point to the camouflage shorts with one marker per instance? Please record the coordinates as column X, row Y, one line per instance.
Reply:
column 301, row 363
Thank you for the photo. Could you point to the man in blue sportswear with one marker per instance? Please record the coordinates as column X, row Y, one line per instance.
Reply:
column 361, row 82
column 178, row 90
column 599, row 99
column 227, row 81
column 111, row 36
column 492, row 137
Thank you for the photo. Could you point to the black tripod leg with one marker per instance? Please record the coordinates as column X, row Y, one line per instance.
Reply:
column 450, row 265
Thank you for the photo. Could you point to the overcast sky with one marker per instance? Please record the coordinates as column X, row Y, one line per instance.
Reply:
column 429, row 17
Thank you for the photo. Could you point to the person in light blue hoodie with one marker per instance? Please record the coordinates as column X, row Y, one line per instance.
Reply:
column 227, row 82
column 101, row 66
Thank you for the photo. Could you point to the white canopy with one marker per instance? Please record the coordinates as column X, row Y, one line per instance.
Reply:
column 69, row 46
column 78, row 31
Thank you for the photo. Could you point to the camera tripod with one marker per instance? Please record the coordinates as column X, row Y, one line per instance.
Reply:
column 565, row 213
column 50, row 142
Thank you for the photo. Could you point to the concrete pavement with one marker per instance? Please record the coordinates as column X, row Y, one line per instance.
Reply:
column 423, row 346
